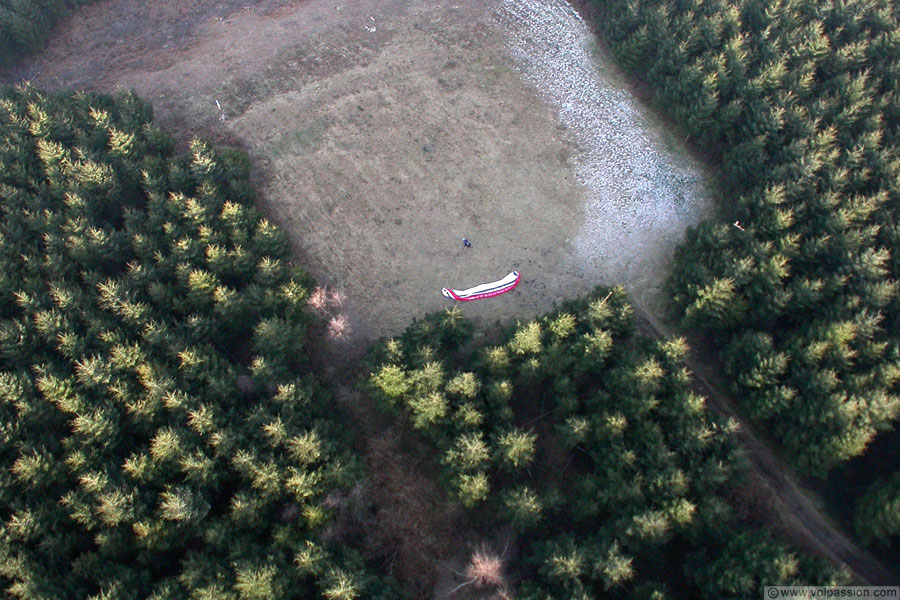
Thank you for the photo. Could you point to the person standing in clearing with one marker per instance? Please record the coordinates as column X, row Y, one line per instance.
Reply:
column 466, row 243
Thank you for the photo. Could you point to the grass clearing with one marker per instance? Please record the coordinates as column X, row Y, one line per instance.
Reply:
column 384, row 132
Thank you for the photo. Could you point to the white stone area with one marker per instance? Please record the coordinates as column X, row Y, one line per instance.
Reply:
column 641, row 187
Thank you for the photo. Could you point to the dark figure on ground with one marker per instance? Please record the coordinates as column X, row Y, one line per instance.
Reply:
column 466, row 243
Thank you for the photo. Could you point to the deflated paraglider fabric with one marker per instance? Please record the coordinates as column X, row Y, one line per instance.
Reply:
column 485, row 290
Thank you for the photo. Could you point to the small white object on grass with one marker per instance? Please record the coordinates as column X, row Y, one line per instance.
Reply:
column 738, row 225
column 219, row 106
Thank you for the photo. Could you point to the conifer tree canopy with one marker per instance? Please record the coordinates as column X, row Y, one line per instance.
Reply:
column 584, row 439
column 799, row 99
column 161, row 435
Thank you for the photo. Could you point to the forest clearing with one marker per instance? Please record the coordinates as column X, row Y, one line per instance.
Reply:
column 419, row 130
column 381, row 135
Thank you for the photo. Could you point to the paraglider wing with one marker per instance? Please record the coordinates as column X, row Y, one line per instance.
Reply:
column 485, row 290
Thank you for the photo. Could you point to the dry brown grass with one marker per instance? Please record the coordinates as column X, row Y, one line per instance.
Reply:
column 413, row 527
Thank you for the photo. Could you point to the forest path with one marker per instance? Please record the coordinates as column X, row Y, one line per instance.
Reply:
column 797, row 510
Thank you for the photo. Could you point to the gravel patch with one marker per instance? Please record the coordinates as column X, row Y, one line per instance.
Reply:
column 641, row 187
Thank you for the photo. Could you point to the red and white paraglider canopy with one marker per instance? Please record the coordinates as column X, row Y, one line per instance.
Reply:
column 485, row 290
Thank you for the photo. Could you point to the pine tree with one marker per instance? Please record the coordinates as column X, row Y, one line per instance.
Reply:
column 878, row 511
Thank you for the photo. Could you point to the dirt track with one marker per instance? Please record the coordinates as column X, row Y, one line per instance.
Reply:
column 383, row 132
column 794, row 509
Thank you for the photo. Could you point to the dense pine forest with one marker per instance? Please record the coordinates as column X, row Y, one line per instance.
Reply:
column 164, row 433
column 25, row 24
column 797, row 285
column 584, row 439
column 161, row 435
